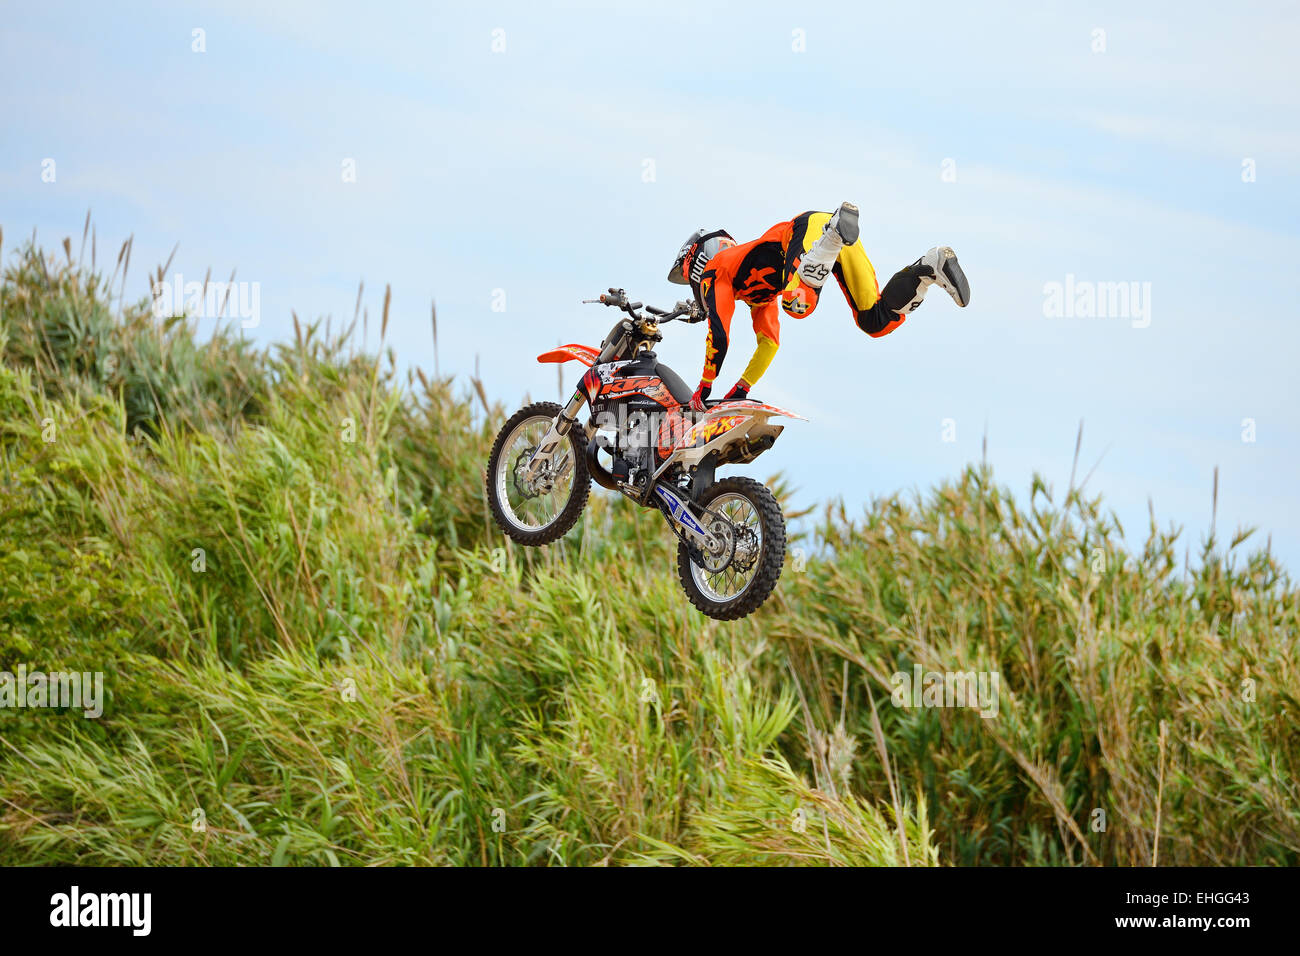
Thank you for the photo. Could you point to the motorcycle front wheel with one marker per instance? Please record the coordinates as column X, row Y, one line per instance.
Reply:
column 539, row 511
column 747, row 522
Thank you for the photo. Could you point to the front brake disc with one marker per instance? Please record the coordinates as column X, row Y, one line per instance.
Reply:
column 526, row 490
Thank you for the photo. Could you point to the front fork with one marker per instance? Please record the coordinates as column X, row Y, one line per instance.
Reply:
column 550, row 442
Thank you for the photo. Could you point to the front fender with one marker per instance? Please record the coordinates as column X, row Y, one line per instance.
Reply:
column 582, row 353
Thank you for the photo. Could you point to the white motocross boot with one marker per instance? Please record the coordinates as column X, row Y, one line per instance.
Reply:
column 842, row 230
column 940, row 267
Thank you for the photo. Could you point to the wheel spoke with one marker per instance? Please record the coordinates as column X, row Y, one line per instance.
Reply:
column 535, row 511
column 733, row 580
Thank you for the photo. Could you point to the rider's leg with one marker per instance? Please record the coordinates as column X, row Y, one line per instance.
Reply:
column 861, row 288
column 857, row 278
column 905, row 290
column 816, row 242
column 798, row 299
column 838, row 231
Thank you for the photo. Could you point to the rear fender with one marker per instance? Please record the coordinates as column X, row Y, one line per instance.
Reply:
column 726, row 424
column 754, row 408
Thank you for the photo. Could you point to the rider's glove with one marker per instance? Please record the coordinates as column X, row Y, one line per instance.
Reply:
column 739, row 392
column 701, row 393
column 693, row 312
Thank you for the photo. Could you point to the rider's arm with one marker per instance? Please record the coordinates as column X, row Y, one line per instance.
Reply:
column 767, row 336
column 719, row 305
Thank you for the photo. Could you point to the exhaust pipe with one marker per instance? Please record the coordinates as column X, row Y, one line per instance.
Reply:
column 603, row 478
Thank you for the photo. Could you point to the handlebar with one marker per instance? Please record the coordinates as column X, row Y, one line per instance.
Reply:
column 618, row 299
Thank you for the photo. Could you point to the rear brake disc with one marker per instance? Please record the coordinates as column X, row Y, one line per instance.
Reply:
column 724, row 533
column 745, row 551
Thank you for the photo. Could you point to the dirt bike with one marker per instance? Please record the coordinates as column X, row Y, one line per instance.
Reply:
column 730, row 532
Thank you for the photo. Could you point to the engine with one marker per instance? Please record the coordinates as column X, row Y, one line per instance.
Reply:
column 636, row 443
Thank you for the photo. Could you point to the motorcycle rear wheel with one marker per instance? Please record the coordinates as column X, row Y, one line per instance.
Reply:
column 759, row 551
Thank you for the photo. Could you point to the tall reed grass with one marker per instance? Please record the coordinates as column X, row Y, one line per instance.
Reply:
column 318, row 651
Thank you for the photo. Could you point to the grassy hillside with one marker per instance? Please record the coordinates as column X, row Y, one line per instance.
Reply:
column 317, row 649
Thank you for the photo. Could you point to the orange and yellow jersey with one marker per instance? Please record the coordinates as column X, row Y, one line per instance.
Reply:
column 754, row 273
column 759, row 272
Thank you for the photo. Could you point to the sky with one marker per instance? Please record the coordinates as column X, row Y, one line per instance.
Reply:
column 511, row 159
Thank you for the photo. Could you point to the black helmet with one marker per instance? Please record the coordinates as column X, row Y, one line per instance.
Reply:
column 695, row 253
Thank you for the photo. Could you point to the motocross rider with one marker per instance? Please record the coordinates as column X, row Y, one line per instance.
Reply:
column 790, row 262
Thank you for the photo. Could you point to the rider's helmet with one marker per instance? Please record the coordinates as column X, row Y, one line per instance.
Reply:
column 695, row 253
